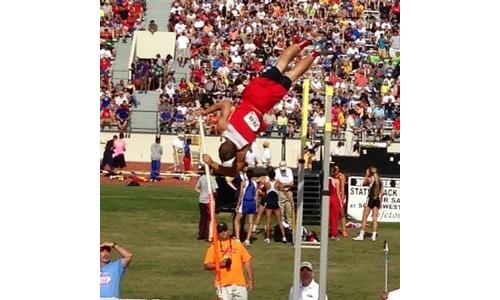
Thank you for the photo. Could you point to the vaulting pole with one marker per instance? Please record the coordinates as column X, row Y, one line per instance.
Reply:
column 300, row 189
column 211, row 202
column 325, row 205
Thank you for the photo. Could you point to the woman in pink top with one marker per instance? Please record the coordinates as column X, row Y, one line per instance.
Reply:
column 119, row 153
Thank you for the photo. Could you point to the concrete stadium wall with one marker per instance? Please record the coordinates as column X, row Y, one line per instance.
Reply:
column 138, row 148
column 147, row 45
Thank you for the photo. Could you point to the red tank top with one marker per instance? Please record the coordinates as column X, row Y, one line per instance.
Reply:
column 246, row 121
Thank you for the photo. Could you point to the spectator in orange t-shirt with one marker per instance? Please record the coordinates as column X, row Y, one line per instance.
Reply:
column 232, row 258
column 360, row 79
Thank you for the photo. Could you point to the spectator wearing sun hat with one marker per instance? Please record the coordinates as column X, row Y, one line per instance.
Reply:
column 266, row 155
column 285, row 176
column 308, row 288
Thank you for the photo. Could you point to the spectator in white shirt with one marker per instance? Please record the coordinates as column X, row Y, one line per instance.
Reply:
column 176, row 8
column 285, row 176
column 308, row 287
column 180, row 27
column 182, row 54
column 261, row 14
column 266, row 155
column 319, row 120
column 236, row 58
column 120, row 98
column 316, row 84
column 251, row 157
column 234, row 47
column 198, row 24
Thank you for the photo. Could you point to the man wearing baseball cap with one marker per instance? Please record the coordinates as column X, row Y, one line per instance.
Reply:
column 232, row 258
column 308, row 288
column 285, row 176
column 112, row 270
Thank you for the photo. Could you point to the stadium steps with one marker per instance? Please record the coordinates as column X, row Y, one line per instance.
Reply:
column 157, row 11
column 120, row 64
column 144, row 117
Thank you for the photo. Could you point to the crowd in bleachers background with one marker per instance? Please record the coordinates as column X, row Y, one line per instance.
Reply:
column 231, row 42
column 118, row 21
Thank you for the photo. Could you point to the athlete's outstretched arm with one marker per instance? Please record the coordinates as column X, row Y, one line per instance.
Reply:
column 238, row 163
column 223, row 106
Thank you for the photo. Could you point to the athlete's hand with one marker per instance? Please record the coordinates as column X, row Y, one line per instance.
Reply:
column 207, row 159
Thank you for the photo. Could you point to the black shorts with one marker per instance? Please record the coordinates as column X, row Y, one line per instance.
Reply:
column 373, row 203
column 263, row 201
column 275, row 75
column 119, row 161
column 272, row 201
column 107, row 159
column 273, row 204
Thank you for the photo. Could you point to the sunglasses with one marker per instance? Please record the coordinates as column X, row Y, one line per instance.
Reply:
column 305, row 269
column 222, row 229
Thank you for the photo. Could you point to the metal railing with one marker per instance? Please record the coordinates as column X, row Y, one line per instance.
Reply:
column 148, row 121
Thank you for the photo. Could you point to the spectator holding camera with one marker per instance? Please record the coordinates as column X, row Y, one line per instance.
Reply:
column 232, row 259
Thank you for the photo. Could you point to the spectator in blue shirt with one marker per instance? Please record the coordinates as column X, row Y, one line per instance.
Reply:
column 122, row 116
column 112, row 270
column 178, row 120
column 166, row 121
column 105, row 102
column 217, row 63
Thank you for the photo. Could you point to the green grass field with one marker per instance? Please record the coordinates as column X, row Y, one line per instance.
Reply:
column 159, row 225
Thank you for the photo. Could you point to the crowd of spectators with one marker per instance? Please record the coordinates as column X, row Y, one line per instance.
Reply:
column 231, row 42
column 228, row 43
column 118, row 21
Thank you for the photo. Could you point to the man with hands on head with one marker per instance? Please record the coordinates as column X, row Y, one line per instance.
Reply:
column 112, row 270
